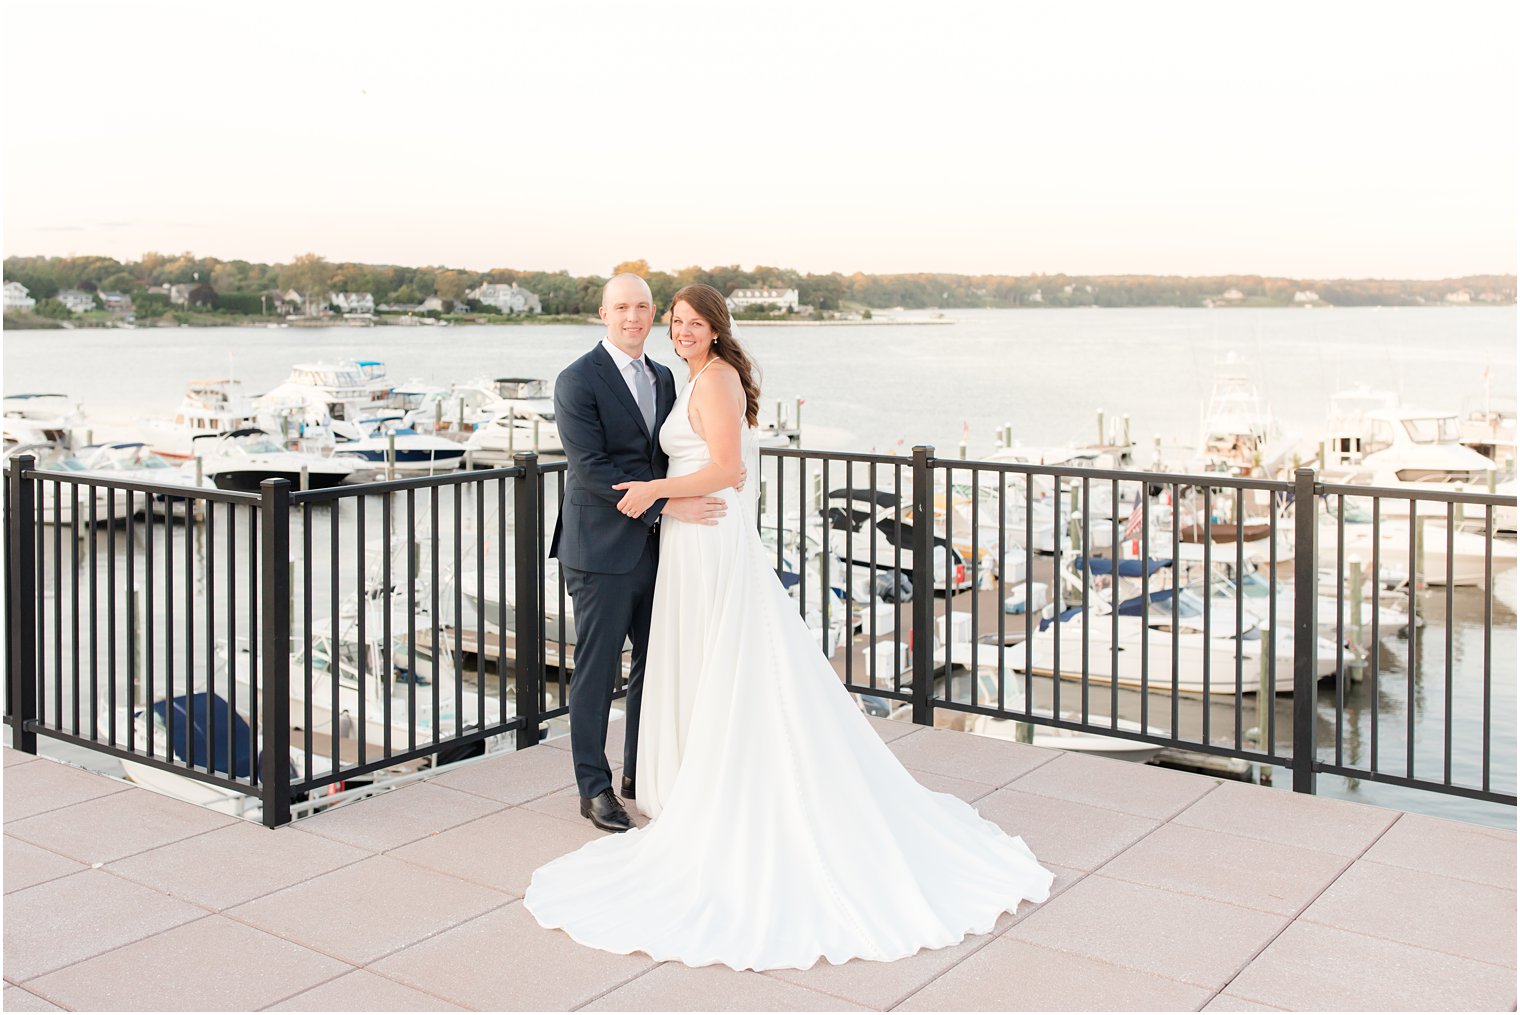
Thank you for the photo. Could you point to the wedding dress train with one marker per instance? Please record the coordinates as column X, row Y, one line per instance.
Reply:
column 783, row 829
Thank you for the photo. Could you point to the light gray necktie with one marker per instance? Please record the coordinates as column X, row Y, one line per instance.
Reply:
column 643, row 393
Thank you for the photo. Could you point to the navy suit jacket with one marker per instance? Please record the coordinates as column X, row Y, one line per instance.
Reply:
column 606, row 442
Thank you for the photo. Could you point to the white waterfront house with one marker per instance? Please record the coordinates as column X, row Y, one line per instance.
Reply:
column 77, row 300
column 352, row 303
column 1460, row 296
column 17, row 297
column 179, row 292
column 785, row 299
column 432, row 303
column 119, row 303
column 1306, row 296
column 510, row 299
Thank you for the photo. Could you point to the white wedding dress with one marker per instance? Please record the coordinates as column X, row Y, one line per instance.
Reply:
column 783, row 828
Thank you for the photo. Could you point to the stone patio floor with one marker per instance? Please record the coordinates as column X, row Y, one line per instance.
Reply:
column 1174, row 891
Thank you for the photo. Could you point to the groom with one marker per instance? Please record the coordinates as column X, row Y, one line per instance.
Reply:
column 609, row 406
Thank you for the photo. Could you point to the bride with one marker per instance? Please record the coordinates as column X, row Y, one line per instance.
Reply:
column 783, row 829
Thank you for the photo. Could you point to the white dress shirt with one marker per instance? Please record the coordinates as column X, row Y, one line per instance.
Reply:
column 626, row 365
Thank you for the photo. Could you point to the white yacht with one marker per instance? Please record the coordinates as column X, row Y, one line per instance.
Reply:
column 41, row 418
column 523, row 419
column 133, row 462
column 242, row 459
column 391, row 446
column 210, row 407
column 348, row 390
column 1238, row 434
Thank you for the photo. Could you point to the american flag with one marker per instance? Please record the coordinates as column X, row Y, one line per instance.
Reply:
column 1136, row 517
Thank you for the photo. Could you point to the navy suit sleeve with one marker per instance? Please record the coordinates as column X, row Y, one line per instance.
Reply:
column 585, row 442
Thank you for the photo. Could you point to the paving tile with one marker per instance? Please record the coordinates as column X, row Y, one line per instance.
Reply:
column 1145, row 790
column 881, row 985
column 1428, row 910
column 1015, row 975
column 368, row 909
column 15, row 757
column 513, row 778
column 232, row 865
column 1332, row 826
column 72, row 918
column 212, row 964
column 1180, row 937
column 1254, row 873
column 892, row 729
column 671, row 986
column 1070, row 834
column 405, row 815
column 27, row 865
column 110, row 827
column 963, row 756
column 963, row 788
column 47, row 785
column 17, row 999
column 362, row 990
column 1314, row 967
column 1456, row 849
column 500, row 850
column 505, row 960
column 1228, row 1002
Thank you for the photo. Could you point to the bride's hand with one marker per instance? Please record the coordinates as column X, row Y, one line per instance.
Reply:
column 637, row 497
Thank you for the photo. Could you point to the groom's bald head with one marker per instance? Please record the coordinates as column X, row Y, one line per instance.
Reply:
column 628, row 286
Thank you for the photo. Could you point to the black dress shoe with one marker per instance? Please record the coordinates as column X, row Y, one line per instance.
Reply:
column 606, row 812
column 627, row 788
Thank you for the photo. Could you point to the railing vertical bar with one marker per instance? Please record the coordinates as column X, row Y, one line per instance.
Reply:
column 274, row 561
column 825, row 590
column 976, row 573
column 149, row 646
column 255, row 677
column 308, row 642
column 1116, row 552
column 1488, row 637
column 456, row 494
column 1206, row 526
column 1176, row 589
column 923, row 587
column 387, row 650
column 1340, row 627
column 1002, row 593
column 335, row 648
column 38, row 600
column 208, row 544
column 1450, row 557
column 1145, row 597
column 74, row 605
column 231, row 633
column 168, row 622
column 802, row 513
column 1240, row 612
column 188, row 719
column 870, row 580
column 480, row 605
column 361, row 611
column 780, row 500
column 1270, row 729
column 1373, row 666
column 1058, row 593
column 1029, row 593
column 1305, row 655
column 897, row 513
column 1085, row 556
column 529, row 618
column 110, row 620
column 413, row 548
column 58, row 605
column 21, row 545
column 132, row 603
column 950, row 582
column 501, row 596
column 434, row 577
column 1416, row 572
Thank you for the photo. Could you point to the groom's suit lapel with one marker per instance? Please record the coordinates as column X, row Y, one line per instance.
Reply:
column 607, row 372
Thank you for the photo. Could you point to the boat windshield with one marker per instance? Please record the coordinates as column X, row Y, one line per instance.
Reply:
column 259, row 446
column 1432, row 429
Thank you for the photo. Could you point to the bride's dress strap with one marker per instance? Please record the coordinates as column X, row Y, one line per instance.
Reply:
column 693, row 382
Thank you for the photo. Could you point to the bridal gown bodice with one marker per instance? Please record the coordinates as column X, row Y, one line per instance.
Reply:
column 783, row 829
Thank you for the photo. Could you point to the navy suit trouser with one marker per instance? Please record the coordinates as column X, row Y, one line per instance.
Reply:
column 608, row 609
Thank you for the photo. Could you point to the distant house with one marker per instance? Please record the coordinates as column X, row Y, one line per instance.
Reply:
column 119, row 303
column 1037, row 297
column 399, row 308
column 179, row 292
column 352, row 303
column 1231, row 296
column 17, row 298
column 785, row 299
column 77, row 300
column 1460, row 296
column 509, row 299
column 433, row 303
column 1306, row 296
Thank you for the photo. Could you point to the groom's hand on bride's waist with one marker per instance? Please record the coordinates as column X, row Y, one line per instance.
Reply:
column 696, row 510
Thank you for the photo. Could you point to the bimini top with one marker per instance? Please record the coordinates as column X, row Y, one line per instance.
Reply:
column 1127, row 568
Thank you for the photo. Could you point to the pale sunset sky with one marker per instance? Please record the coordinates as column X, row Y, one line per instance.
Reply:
column 1311, row 140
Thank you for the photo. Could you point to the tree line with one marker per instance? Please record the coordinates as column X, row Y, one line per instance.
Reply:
column 238, row 284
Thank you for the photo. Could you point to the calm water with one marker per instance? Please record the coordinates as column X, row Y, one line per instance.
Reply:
column 884, row 386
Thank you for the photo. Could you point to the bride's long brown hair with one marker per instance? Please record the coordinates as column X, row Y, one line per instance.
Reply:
column 711, row 306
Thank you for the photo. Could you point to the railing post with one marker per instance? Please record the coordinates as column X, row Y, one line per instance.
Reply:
column 21, row 610
column 923, row 587
column 527, row 662
column 1305, row 630
column 274, row 645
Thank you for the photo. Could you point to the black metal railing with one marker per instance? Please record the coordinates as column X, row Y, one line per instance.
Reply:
column 278, row 646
